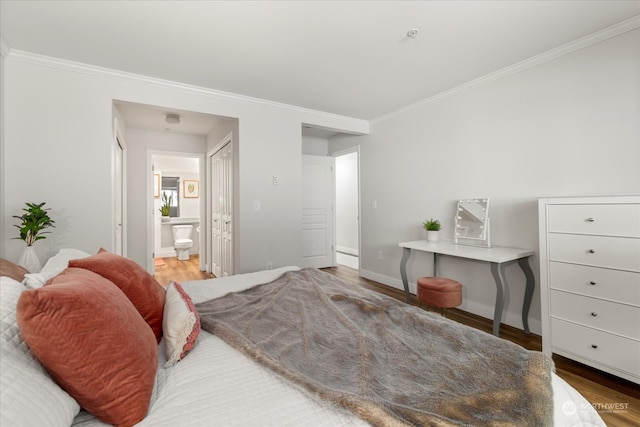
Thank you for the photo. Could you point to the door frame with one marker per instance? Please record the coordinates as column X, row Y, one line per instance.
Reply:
column 228, row 139
column 119, row 139
column 335, row 154
column 151, row 267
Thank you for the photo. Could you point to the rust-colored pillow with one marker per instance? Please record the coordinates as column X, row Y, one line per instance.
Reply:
column 142, row 289
column 93, row 342
column 13, row 270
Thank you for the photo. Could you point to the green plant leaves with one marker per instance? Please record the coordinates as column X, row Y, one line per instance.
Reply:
column 34, row 221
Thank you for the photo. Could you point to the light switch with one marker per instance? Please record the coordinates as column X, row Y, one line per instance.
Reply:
column 276, row 180
column 374, row 204
column 256, row 205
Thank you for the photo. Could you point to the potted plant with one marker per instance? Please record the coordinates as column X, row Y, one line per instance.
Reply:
column 165, row 209
column 433, row 228
column 32, row 228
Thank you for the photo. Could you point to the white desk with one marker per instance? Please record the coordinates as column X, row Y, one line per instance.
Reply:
column 497, row 257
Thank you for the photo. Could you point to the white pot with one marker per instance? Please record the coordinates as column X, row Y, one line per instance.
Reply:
column 433, row 236
column 29, row 260
column 165, row 219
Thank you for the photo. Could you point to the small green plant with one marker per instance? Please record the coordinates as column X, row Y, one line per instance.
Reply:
column 431, row 225
column 166, row 203
column 34, row 221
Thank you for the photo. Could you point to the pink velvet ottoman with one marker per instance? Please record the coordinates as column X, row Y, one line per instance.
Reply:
column 439, row 292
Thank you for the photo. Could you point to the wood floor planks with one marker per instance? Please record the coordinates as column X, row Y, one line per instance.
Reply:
column 180, row 271
column 616, row 400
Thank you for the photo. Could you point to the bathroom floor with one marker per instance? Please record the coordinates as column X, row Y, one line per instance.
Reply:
column 180, row 271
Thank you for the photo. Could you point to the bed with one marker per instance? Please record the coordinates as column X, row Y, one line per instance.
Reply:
column 211, row 382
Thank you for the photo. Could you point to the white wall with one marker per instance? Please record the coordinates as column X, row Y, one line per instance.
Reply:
column 565, row 127
column 58, row 134
column 315, row 145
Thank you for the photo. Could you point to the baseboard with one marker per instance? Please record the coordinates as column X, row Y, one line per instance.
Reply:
column 348, row 251
column 386, row 280
column 166, row 253
column 482, row 310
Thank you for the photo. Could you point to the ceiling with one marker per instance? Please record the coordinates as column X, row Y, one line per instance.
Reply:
column 351, row 58
column 152, row 117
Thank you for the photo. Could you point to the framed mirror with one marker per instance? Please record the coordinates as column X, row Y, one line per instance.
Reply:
column 472, row 222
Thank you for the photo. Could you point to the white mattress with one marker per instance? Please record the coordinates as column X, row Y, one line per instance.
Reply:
column 216, row 385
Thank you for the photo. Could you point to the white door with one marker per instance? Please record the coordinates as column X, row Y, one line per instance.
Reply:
column 226, row 211
column 221, row 167
column 216, row 228
column 118, row 175
column 318, row 249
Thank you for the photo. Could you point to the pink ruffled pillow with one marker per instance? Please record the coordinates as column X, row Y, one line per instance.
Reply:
column 180, row 324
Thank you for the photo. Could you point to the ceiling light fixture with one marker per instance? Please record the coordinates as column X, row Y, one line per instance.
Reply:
column 172, row 119
column 412, row 33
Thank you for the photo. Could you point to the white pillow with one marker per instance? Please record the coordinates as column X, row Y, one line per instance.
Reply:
column 28, row 395
column 180, row 324
column 54, row 266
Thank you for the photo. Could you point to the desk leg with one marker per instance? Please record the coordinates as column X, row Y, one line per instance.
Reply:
column 406, row 253
column 528, row 293
column 497, row 271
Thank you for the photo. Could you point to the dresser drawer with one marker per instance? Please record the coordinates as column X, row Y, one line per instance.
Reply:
column 598, row 219
column 604, row 315
column 611, row 350
column 600, row 251
column 615, row 285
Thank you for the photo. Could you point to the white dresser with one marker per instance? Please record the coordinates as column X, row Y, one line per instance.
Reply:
column 590, row 281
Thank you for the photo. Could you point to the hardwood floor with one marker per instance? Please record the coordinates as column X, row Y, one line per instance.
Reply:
column 616, row 400
column 180, row 271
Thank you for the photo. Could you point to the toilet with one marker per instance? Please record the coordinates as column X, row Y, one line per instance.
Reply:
column 182, row 241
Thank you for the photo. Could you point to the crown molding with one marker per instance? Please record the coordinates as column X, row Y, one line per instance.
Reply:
column 586, row 41
column 78, row 67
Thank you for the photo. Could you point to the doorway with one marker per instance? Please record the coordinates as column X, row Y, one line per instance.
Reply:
column 174, row 171
column 119, row 191
column 347, row 208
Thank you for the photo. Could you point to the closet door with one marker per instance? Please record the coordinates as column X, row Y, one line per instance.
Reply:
column 216, row 215
column 226, row 211
column 222, row 212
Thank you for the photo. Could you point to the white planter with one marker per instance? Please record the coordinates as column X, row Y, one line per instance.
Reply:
column 29, row 260
column 433, row 236
column 165, row 219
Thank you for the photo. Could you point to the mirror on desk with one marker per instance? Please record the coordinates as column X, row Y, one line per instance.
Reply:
column 472, row 222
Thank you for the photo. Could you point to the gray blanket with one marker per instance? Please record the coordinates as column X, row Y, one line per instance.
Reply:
column 389, row 363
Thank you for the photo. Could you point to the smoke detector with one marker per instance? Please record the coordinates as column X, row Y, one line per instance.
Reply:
column 172, row 119
column 413, row 33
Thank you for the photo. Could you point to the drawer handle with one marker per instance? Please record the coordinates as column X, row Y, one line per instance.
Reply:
column 592, row 283
column 594, row 345
column 590, row 219
column 594, row 314
column 591, row 251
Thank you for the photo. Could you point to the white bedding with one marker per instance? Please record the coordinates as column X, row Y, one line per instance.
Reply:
column 217, row 386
